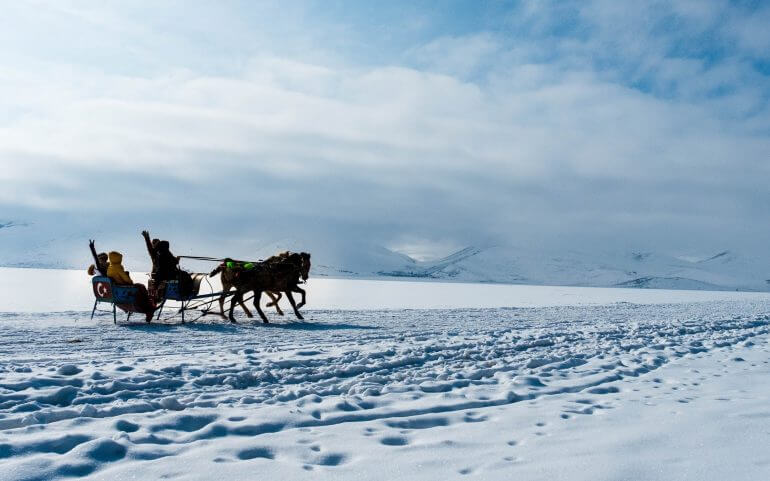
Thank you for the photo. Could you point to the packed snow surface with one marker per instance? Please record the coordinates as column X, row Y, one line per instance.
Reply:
column 560, row 384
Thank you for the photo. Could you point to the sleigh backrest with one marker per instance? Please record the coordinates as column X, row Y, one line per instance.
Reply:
column 107, row 291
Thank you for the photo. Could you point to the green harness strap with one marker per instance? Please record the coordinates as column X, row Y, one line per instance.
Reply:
column 245, row 266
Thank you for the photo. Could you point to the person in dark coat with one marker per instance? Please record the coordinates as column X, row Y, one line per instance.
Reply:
column 165, row 265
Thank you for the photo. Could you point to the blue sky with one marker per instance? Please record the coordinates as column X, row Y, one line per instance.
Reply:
column 423, row 126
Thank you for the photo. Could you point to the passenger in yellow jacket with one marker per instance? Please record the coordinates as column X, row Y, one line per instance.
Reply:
column 119, row 275
column 115, row 269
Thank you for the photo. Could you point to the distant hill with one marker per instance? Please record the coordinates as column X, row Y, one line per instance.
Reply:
column 725, row 270
column 31, row 245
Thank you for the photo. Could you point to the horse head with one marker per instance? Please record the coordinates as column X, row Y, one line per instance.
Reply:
column 305, row 265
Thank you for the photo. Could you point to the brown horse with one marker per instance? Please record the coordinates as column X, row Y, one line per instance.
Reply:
column 229, row 280
column 301, row 261
column 281, row 275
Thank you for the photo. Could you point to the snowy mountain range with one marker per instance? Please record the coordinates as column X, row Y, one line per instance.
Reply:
column 725, row 270
column 29, row 245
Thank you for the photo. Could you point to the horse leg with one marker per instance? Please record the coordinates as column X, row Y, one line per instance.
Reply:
column 225, row 289
column 222, row 306
column 245, row 309
column 275, row 296
column 257, row 297
column 237, row 297
column 301, row 291
column 293, row 305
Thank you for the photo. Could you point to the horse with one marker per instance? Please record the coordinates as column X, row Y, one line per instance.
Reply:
column 229, row 280
column 301, row 261
column 281, row 275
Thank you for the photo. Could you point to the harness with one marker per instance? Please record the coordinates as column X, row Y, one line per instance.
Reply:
column 241, row 267
column 247, row 266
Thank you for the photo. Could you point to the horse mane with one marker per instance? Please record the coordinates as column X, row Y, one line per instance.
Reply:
column 282, row 260
column 278, row 257
column 220, row 267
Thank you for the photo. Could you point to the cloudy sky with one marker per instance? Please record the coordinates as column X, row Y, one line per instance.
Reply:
column 421, row 126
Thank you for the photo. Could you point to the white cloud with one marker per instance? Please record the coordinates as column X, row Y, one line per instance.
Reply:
column 466, row 137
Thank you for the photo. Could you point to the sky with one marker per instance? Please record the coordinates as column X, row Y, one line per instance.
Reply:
column 420, row 126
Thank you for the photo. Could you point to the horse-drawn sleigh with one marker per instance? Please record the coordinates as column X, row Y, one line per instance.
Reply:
column 125, row 297
column 277, row 275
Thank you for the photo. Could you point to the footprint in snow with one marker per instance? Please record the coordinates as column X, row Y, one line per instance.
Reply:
column 68, row 370
column 126, row 426
column 394, row 441
column 476, row 419
column 418, row 423
column 331, row 459
column 256, row 452
column 186, row 423
column 605, row 390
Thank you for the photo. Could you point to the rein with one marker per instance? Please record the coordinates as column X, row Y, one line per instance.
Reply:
column 215, row 259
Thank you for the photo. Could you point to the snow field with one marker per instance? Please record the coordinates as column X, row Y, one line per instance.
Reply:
column 417, row 394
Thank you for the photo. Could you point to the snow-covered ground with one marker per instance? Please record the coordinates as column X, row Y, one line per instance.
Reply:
column 546, row 383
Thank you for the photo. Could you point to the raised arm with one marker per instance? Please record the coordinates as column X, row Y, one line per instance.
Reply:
column 92, row 245
column 97, row 265
column 147, row 241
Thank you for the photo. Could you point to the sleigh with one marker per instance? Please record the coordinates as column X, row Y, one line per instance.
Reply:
column 118, row 296
column 124, row 297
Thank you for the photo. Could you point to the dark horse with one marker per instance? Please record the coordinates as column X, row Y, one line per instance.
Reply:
column 301, row 262
column 281, row 273
column 229, row 280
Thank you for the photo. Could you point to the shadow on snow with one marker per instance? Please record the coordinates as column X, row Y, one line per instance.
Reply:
column 242, row 325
